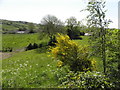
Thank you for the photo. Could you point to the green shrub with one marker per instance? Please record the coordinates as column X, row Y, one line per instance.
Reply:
column 32, row 46
column 29, row 47
column 40, row 45
column 70, row 53
column 35, row 46
column 85, row 80
column 8, row 49
column 52, row 41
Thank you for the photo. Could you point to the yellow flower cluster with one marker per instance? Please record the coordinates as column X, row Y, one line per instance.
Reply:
column 68, row 52
column 93, row 62
column 55, row 51
column 59, row 64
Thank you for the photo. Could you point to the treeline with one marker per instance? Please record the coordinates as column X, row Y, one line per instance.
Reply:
column 52, row 24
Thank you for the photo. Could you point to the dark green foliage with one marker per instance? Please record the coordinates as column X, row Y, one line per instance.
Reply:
column 52, row 41
column 73, row 30
column 8, row 49
column 79, row 65
column 73, row 34
column 35, row 46
column 40, row 45
column 29, row 47
column 112, row 53
column 82, row 33
column 31, row 31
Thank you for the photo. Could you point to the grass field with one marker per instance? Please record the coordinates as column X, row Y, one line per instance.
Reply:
column 17, row 41
column 33, row 68
column 29, row 69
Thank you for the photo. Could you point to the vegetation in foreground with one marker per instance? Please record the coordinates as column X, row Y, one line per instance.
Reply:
column 29, row 69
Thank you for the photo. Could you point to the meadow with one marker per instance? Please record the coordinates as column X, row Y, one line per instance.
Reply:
column 84, row 56
column 18, row 41
column 28, row 69
column 33, row 68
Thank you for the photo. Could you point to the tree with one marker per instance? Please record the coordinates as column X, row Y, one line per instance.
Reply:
column 72, row 22
column 96, row 19
column 73, row 27
column 31, row 27
column 51, row 25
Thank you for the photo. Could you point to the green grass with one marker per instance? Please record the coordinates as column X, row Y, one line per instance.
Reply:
column 9, row 27
column 29, row 69
column 84, row 40
column 17, row 41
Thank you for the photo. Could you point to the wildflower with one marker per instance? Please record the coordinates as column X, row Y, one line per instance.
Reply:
column 60, row 63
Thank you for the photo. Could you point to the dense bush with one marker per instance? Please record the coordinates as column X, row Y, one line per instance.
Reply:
column 82, row 33
column 35, row 46
column 40, row 45
column 113, row 55
column 52, row 41
column 71, row 54
column 30, row 46
column 112, row 49
column 8, row 49
column 73, row 34
column 31, row 31
column 85, row 80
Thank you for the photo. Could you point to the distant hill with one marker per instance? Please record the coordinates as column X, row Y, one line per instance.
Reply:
column 9, row 26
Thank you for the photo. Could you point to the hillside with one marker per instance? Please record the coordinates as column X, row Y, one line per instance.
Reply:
column 9, row 26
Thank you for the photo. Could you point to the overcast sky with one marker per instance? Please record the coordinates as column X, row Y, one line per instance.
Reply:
column 35, row 10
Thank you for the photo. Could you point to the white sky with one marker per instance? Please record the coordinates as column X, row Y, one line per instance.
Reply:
column 35, row 10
